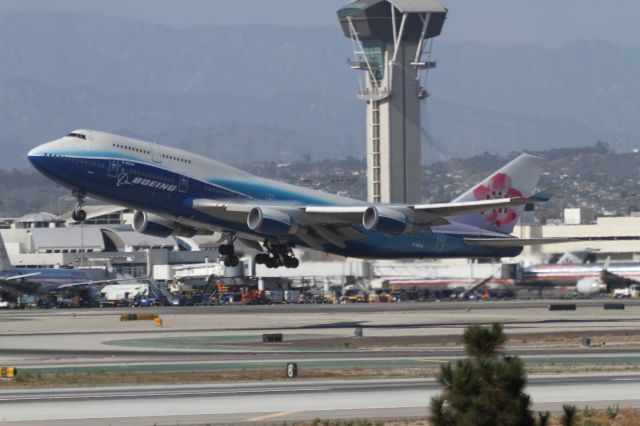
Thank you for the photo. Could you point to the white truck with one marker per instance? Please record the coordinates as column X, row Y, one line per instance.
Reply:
column 124, row 292
column 632, row 291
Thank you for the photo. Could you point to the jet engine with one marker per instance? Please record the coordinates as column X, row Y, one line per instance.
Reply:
column 157, row 226
column 272, row 222
column 590, row 286
column 386, row 220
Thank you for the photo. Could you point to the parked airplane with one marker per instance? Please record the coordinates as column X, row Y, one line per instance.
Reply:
column 451, row 287
column 180, row 193
column 588, row 278
column 19, row 281
column 16, row 282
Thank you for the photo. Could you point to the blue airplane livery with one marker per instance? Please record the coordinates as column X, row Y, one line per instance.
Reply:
column 36, row 281
column 174, row 192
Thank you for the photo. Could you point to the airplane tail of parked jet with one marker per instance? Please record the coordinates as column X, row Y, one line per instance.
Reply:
column 5, row 265
column 518, row 178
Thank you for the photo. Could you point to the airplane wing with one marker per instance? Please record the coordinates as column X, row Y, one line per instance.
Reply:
column 321, row 225
column 17, row 277
column 333, row 224
column 460, row 208
column 352, row 215
column 14, row 287
column 88, row 283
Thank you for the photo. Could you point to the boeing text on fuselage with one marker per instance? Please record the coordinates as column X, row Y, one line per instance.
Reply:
column 180, row 193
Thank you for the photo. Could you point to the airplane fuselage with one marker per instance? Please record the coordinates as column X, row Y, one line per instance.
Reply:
column 165, row 181
column 570, row 274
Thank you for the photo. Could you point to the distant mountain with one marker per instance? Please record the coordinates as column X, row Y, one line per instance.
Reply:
column 241, row 94
column 122, row 56
column 229, row 128
column 594, row 82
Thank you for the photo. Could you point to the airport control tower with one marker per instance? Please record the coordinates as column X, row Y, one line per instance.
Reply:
column 392, row 41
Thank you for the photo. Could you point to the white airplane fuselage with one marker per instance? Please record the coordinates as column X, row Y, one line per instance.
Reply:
column 165, row 181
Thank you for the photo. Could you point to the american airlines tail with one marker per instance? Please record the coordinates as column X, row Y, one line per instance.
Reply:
column 5, row 265
column 518, row 178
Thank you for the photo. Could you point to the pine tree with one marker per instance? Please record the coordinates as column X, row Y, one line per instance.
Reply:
column 485, row 389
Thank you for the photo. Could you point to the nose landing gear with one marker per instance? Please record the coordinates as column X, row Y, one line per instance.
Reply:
column 79, row 215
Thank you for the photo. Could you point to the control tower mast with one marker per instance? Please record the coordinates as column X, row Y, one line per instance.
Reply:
column 391, row 42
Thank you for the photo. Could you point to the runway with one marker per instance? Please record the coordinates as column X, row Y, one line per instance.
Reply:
column 400, row 338
column 447, row 305
column 287, row 401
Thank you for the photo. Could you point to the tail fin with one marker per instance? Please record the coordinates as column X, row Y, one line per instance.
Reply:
column 519, row 178
column 4, row 257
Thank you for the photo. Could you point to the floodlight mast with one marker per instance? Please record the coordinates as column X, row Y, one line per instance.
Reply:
column 391, row 44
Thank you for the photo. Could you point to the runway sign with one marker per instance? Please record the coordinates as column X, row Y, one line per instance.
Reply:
column 292, row 370
column 562, row 307
column 272, row 338
column 619, row 306
column 139, row 317
column 8, row 372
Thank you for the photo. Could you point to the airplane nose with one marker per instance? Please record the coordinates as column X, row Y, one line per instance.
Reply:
column 35, row 152
column 37, row 155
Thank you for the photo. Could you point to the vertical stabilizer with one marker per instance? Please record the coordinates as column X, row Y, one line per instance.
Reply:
column 519, row 178
column 4, row 257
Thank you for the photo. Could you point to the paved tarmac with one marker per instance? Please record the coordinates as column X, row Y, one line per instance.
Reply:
column 271, row 402
column 311, row 332
column 316, row 336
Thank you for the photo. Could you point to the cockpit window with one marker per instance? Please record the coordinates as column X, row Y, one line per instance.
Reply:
column 77, row 135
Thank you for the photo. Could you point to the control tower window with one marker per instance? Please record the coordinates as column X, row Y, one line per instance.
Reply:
column 77, row 135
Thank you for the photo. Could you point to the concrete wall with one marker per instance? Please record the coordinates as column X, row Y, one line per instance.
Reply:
column 627, row 229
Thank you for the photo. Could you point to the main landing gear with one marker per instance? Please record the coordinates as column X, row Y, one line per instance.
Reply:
column 228, row 252
column 277, row 255
column 79, row 215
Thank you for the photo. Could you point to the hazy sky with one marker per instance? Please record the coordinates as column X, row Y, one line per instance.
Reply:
column 540, row 22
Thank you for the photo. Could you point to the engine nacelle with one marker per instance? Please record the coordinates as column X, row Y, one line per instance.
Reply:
column 590, row 286
column 157, row 226
column 386, row 220
column 272, row 222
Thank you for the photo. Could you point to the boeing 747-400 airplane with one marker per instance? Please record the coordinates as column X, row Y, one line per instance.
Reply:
column 180, row 193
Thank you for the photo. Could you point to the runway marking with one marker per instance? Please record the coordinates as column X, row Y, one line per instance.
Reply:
column 271, row 416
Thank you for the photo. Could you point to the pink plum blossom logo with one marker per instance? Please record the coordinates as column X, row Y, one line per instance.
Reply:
column 499, row 187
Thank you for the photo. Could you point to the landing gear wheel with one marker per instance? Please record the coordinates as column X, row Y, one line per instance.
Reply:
column 293, row 263
column 228, row 250
column 231, row 261
column 277, row 255
column 272, row 263
column 79, row 215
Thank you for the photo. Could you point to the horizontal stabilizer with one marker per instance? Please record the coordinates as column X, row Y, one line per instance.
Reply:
column 515, row 242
